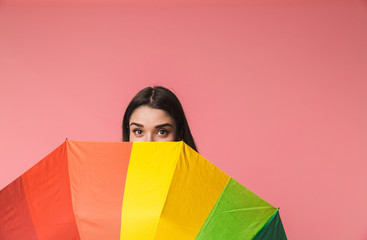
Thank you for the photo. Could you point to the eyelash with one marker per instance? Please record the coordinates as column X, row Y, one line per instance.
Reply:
column 135, row 131
column 165, row 131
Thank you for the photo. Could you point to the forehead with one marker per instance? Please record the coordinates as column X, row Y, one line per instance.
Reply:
column 150, row 116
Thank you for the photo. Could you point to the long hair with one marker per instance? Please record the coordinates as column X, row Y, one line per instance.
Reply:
column 160, row 98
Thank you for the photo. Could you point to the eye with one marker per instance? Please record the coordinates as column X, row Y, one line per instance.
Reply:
column 138, row 131
column 162, row 132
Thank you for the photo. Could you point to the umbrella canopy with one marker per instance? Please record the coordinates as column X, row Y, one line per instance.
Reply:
column 121, row 190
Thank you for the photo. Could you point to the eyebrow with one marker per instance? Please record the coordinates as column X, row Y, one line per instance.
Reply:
column 164, row 125
column 137, row 124
column 158, row 126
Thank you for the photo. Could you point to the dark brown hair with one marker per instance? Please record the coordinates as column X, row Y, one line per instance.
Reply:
column 164, row 99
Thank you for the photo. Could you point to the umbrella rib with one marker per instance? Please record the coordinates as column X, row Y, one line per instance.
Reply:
column 168, row 189
column 212, row 212
column 247, row 209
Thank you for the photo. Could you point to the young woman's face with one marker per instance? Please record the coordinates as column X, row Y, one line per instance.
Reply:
column 151, row 125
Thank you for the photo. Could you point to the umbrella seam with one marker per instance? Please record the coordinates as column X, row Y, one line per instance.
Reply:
column 25, row 184
column 210, row 216
column 68, row 145
column 267, row 222
column 169, row 187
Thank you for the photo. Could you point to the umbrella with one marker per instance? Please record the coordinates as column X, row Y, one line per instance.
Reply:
column 121, row 190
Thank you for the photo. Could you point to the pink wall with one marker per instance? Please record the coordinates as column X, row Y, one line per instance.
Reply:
column 275, row 92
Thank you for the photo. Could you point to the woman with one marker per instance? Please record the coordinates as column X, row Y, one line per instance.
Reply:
column 156, row 115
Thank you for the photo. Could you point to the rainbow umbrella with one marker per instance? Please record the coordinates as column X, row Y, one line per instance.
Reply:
column 121, row 190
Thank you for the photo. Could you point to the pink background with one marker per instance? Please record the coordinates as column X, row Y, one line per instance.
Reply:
column 275, row 91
